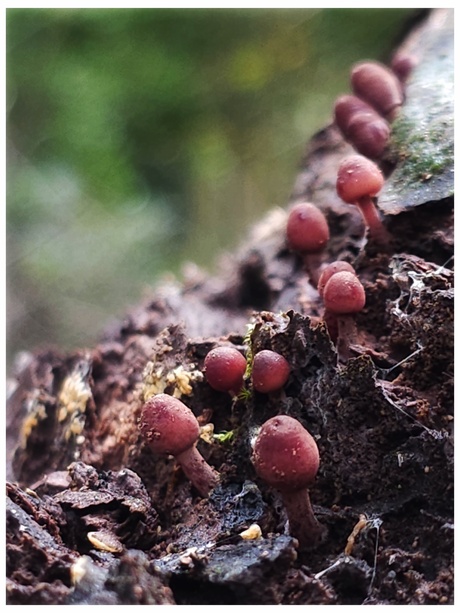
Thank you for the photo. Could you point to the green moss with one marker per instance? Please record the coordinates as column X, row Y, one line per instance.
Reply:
column 420, row 148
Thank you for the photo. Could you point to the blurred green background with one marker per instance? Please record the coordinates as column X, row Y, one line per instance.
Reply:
column 138, row 139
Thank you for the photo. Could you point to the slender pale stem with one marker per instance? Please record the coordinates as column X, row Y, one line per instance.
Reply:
column 195, row 467
column 330, row 319
column 347, row 333
column 303, row 524
column 312, row 263
column 377, row 230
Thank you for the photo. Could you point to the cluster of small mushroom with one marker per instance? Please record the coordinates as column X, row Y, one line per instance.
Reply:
column 170, row 427
column 363, row 118
column 343, row 296
column 285, row 455
column 225, row 368
column 338, row 285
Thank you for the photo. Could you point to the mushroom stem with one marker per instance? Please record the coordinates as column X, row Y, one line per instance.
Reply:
column 303, row 524
column 346, row 335
column 330, row 319
column 343, row 296
column 312, row 264
column 307, row 232
column 170, row 427
column 359, row 180
column 372, row 219
column 286, row 457
column 202, row 476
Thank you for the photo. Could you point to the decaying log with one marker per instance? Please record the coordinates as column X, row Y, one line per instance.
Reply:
column 93, row 517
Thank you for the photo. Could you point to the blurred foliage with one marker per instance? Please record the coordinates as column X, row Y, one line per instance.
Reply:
column 140, row 138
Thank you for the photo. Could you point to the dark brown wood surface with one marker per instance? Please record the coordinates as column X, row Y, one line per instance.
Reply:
column 93, row 517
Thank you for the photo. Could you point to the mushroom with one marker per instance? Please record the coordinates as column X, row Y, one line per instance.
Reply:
column 362, row 126
column 402, row 65
column 286, row 457
column 332, row 269
column 377, row 85
column 359, row 180
column 169, row 427
column 343, row 297
column 224, row 369
column 270, row 371
column 307, row 232
column 345, row 107
column 330, row 319
column 369, row 134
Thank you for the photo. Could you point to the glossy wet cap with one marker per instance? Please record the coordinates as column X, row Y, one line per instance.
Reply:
column 307, row 230
column 224, row 368
column 285, row 454
column 358, row 177
column 270, row 371
column 345, row 108
column 344, row 294
column 369, row 133
column 377, row 85
column 332, row 269
column 168, row 425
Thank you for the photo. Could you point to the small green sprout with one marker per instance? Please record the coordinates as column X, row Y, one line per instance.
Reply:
column 225, row 436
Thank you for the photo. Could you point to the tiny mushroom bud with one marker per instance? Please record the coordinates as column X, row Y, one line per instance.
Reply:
column 307, row 232
column 270, row 371
column 330, row 319
column 343, row 293
column 402, row 65
column 169, row 427
column 361, row 125
column 345, row 108
column 359, row 180
column 378, row 86
column 286, row 457
column 224, row 369
column 331, row 269
column 343, row 297
column 369, row 134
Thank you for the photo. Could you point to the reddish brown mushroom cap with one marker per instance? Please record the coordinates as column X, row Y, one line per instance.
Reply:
column 402, row 65
column 344, row 294
column 361, row 125
column 285, row 454
column 332, row 269
column 168, row 425
column 345, row 108
column 369, row 133
column 378, row 86
column 357, row 178
column 171, row 428
column 224, row 369
column 270, row 371
column 307, row 229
